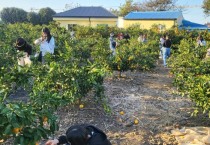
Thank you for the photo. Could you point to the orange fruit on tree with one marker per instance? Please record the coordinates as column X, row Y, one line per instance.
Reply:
column 44, row 119
column 16, row 130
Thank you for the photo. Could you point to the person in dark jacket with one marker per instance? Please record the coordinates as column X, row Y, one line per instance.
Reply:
column 24, row 50
column 166, row 50
column 81, row 135
column 127, row 37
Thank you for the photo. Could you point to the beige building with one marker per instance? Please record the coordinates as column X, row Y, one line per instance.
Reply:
column 86, row 16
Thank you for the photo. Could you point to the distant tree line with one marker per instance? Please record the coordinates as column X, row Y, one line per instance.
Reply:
column 149, row 5
column 14, row 15
column 154, row 5
column 44, row 16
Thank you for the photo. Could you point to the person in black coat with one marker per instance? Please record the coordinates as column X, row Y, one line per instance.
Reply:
column 166, row 50
column 25, row 51
column 22, row 45
column 127, row 37
column 82, row 134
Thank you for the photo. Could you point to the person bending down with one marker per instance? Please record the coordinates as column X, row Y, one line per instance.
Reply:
column 81, row 135
column 25, row 50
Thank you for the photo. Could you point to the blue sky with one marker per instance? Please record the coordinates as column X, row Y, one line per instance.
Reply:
column 192, row 13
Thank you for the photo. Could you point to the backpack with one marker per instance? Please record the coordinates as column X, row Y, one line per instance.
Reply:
column 114, row 44
column 167, row 43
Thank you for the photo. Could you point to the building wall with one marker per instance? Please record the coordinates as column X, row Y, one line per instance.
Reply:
column 120, row 22
column 147, row 24
column 93, row 22
column 100, row 21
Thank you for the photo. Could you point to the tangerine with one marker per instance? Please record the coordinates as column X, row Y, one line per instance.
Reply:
column 122, row 112
column 44, row 119
column 136, row 121
column 81, row 106
column 16, row 130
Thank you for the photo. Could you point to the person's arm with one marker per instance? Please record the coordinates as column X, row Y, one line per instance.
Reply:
column 52, row 142
column 61, row 140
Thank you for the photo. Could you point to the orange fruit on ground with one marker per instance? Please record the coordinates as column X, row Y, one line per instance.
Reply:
column 170, row 75
column 122, row 112
column 136, row 121
column 81, row 106
column 16, row 130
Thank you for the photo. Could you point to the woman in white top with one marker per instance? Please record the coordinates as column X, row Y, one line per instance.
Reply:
column 200, row 41
column 46, row 42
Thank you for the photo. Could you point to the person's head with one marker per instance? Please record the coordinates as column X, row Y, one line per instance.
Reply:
column 112, row 34
column 164, row 36
column 46, row 34
column 145, row 36
column 77, row 135
column 20, row 43
column 201, row 38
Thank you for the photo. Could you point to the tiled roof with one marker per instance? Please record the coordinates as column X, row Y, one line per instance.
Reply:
column 191, row 25
column 153, row 15
column 86, row 12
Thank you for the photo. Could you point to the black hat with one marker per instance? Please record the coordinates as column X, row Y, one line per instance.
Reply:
column 20, row 42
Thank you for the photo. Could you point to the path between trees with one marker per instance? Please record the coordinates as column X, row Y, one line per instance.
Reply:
column 147, row 97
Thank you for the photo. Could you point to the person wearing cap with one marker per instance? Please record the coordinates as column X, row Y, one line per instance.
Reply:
column 24, row 50
column 82, row 134
column 126, row 37
column 46, row 42
column 112, row 43
column 161, row 42
column 166, row 50
column 200, row 41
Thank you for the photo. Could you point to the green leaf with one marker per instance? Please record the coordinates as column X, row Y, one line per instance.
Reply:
column 5, row 111
column 8, row 129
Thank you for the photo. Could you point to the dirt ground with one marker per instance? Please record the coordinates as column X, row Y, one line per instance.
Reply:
column 146, row 98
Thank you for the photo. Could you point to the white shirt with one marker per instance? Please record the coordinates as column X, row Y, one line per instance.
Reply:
column 201, row 43
column 162, row 41
column 46, row 47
